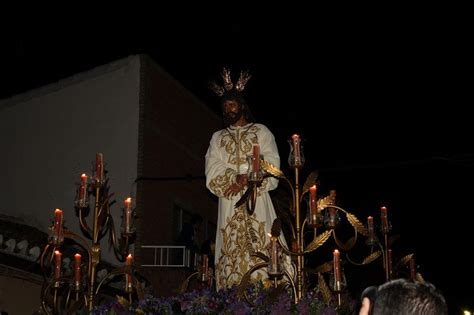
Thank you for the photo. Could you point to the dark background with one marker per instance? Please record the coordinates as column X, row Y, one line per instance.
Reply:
column 382, row 105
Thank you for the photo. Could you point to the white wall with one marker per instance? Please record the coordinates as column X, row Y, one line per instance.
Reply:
column 50, row 136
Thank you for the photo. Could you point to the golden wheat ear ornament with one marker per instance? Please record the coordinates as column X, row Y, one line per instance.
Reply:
column 244, row 77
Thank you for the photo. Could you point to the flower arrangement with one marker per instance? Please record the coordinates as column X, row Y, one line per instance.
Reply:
column 207, row 301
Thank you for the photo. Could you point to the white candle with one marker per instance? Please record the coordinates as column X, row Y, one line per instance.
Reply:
column 274, row 255
column 370, row 226
column 384, row 219
column 83, row 191
column 256, row 158
column 337, row 266
column 312, row 200
column 205, row 266
column 99, row 166
column 58, row 223
column 127, row 216
column 77, row 267
column 128, row 275
column 57, row 264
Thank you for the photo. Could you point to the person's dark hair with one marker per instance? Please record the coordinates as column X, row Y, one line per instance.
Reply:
column 402, row 296
column 370, row 293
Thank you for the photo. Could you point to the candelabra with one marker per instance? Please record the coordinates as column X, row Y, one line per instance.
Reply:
column 381, row 246
column 62, row 293
column 202, row 272
column 322, row 218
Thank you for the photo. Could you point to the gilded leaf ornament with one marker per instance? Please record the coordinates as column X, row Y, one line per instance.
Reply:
column 323, row 287
column 246, row 280
column 271, row 169
column 318, row 241
column 323, row 203
column 326, row 267
column 357, row 224
column 310, row 181
column 419, row 278
column 404, row 260
column 123, row 301
column 371, row 257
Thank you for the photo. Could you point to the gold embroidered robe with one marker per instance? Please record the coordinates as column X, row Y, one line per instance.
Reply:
column 238, row 234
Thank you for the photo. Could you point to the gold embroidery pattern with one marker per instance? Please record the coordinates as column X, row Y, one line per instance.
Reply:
column 242, row 236
column 219, row 184
column 263, row 186
column 238, row 143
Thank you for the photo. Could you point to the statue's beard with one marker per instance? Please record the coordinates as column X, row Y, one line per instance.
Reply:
column 231, row 118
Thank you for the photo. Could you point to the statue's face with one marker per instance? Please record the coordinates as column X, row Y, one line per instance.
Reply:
column 232, row 111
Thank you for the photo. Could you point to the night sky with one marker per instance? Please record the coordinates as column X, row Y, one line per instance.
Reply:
column 382, row 106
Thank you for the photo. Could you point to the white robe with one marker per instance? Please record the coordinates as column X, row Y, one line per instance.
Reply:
column 238, row 234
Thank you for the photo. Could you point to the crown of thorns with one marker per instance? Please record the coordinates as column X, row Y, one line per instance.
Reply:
column 228, row 85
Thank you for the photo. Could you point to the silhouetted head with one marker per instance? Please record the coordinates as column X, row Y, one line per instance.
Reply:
column 402, row 296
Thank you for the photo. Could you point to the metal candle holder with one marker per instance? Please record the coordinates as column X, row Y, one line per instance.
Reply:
column 322, row 218
column 64, row 294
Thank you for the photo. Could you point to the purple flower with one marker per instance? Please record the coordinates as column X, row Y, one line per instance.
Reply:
column 329, row 311
column 206, row 301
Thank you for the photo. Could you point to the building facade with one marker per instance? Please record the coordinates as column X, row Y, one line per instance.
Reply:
column 153, row 134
